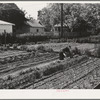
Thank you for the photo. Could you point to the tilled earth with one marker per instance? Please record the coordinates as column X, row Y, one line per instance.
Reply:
column 12, row 68
column 85, row 75
column 82, row 76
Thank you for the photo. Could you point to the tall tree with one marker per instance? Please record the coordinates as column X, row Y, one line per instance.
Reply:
column 11, row 13
column 79, row 17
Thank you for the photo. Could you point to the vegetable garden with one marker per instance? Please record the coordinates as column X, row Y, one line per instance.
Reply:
column 38, row 67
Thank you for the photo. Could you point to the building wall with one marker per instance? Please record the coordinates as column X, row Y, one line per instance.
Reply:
column 56, row 33
column 32, row 30
column 7, row 28
column 37, row 30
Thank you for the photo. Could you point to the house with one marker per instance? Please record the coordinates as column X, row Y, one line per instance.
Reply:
column 33, row 27
column 57, row 29
column 6, row 26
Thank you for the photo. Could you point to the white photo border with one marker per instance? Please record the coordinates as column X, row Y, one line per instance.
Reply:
column 50, row 93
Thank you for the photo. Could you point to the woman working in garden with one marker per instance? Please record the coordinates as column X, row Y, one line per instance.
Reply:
column 65, row 52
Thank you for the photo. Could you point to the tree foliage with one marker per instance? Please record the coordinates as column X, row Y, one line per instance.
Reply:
column 11, row 13
column 79, row 17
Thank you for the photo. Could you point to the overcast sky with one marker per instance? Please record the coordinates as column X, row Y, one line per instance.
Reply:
column 31, row 8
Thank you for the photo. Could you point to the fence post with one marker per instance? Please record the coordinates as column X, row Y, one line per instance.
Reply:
column 5, row 37
column 61, row 20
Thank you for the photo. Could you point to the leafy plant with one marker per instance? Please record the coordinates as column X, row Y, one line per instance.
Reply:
column 76, row 51
column 49, row 50
column 9, row 77
column 41, row 47
column 14, row 46
column 88, row 52
column 23, row 47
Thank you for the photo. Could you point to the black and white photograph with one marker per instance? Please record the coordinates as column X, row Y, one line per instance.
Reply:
column 49, row 45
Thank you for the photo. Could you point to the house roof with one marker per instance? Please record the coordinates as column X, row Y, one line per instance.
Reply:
column 5, row 23
column 34, row 23
column 59, row 25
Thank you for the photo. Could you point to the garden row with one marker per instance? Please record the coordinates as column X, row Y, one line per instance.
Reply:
column 18, row 66
column 90, row 81
column 67, row 77
column 31, row 75
column 58, row 46
column 13, row 58
column 29, row 53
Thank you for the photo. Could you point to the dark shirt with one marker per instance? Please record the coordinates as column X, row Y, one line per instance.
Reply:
column 66, row 49
column 61, row 56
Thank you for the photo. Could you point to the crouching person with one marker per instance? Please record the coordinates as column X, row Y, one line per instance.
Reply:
column 61, row 55
column 70, row 54
column 68, row 51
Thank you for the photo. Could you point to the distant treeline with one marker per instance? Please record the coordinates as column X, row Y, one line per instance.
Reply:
column 79, row 17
